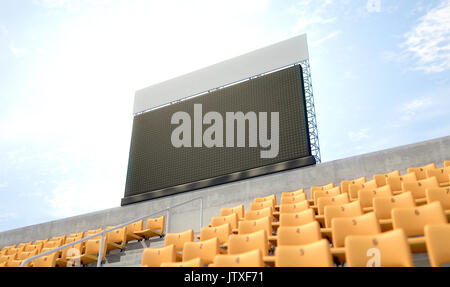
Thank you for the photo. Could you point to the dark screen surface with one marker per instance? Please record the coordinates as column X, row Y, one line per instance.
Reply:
column 156, row 168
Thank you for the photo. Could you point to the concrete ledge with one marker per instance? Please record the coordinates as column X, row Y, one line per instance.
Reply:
column 242, row 192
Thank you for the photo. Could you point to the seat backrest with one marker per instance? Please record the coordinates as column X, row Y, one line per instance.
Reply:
column 418, row 188
column 353, row 189
column 221, row 232
column 293, row 199
column 272, row 197
column 117, row 235
column 239, row 210
column 93, row 247
column 252, row 258
column 293, row 193
column 247, row 242
column 296, row 219
column 94, row 231
column 387, row 249
column 219, row 220
column 326, row 193
column 421, row 171
column 351, row 209
column 31, row 248
column 317, row 254
column 45, row 261
column 26, row 254
column 178, row 239
column 346, row 183
column 73, row 250
column 332, row 200
column 413, row 220
column 441, row 194
column 441, row 174
column 257, row 214
column 250, row 226
column 261, row 204
column 383, row 206
column 437, row 238
column 294, row 207
column 135, row 226
column 206, row 250
column 366, row 196
column 196, row 262
column 154, row 257
column 298, row 235
column 446, row 163
column 396, row 182
column 156, row 223
column 366, row 224
column 381, row 179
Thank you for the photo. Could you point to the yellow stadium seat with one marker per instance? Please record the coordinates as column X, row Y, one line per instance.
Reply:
column 441, row 195
column 294, row 207
column 421, row 172
column 116, row 238
column 326, row 193
column 381, row 179
column 250, row 226
column 257, row 214
column 272, row 197
column 253, row 258
column 354, row 188
column 333, row 200
column 299, row 235
column 239, row 210
column 296, row 219
column 387, row 249
column 205, row 250
column 442, row 175
column 153, row 228
column 418, row 188
column 242, row 243
column 230, row 219
column 366, row 196
column 261, row 205
column 45, row 261
column 383, row 206
column 396, row 182
column 178, row 240
column 293, row 199
column 196, row 262
column 293, row 193
column 315, row 254
column 7, row 259
column 71, row 251
column 132, row 228
column 154, row 257
column 352, row 209
column 413, row 221
column 346, row 183
column 221, row 232
column 366, row 224
column 22, row 246
column 91, row 252
column 446, row 163
column 437, row 237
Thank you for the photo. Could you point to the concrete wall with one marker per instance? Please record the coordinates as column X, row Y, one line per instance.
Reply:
column 227, row 195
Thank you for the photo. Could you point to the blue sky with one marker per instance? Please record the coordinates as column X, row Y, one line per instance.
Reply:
column 69, row 70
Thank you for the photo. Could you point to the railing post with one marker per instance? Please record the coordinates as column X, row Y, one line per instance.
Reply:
column 100, row 252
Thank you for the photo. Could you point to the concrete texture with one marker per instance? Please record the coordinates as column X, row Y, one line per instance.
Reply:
column 232, row 194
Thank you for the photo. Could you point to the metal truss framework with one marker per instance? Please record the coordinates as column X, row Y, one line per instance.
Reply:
column 311, row 111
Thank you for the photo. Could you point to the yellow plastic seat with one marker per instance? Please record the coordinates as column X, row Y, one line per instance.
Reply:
column 333, row 200
column 250, row 226
column 421, row 171
column 45, row 261
column 366, row 224
column 205, row 250
column 437, row 237
column 299, row 235
column 294, row 207
column 252, row 258
column 71, row 251
column 387, row 249
column 154, row 257
column 239, row 210
column 346, row 183
column 196, row 262
column 352, row 209
column 381, row 179
column 354, row 188
column 447, row 163
column 261, row 205
column 243, row 243
column 418, row 188
column 117, row 238
column 366, row 196
column 293, row 199
column 326, row 193
column 178, row 240
column 296, row 219
column 442, row 174
column 293, row 193
column 272, row 197
column 91, row 252
column 395, row 182
column 315, row 254
column 383, row 206
column 441, row 195
column 257, row 214
column 132, row 228
column 221, row 232
column 231, row 219
column 7, row 259
column 154, row 227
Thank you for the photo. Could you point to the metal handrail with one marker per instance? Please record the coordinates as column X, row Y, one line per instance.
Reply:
column 103, row 232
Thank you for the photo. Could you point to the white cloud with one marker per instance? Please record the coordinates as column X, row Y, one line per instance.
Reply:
column 428, row 43
column 411, row 109
column 304, row 22
column 18, row 52
column 327, row 37
column 358, row 135
column 373, row 6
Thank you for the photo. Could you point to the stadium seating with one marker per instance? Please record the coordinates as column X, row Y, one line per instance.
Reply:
column 117, row 238
column 154, row 257
column 296, row 219
column 231, row 219
column 242, row 243
column 154, row 227
column 346, row 210
column 293, row 199
column 205, row 250
column 437, row 237
column 298, row 235
column 333, row 200
column 346, row 183
column 418, row 188
column 293, row 193
column 294, row 207
column 442, row 175
column 366, row 196
column 135, row 227
column 315, row 254
column 196, row 262
column 326, row 193
column 239, row 210
column 441, row 195
column 354, row 188
column 252, row 258
column 178, row 240
column 395, row 182
column 381, row 179
column 221, row 232
column 421, row 171
column 260, row 213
